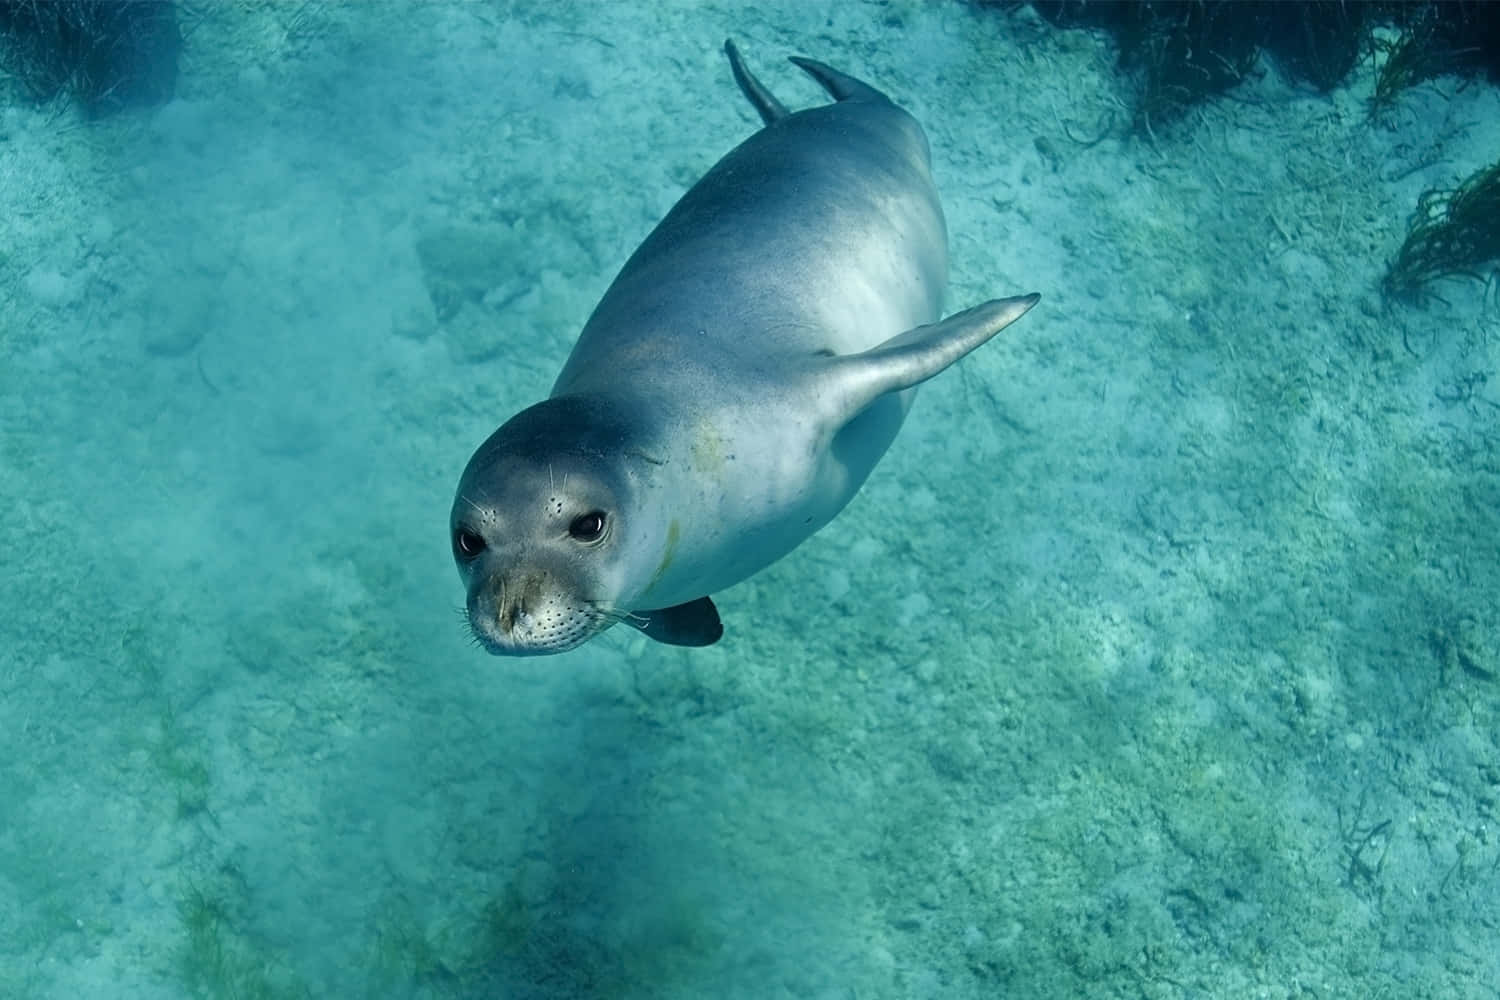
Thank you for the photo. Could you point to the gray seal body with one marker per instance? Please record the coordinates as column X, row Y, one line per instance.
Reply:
column 732, row 390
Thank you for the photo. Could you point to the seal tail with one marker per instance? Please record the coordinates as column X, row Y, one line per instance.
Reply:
column 766, row 104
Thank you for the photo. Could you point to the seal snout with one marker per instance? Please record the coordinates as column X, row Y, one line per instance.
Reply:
column 514, row 598
column 525, row 613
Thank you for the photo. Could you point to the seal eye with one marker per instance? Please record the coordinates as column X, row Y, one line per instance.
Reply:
column 467, row 544
column 588, row 527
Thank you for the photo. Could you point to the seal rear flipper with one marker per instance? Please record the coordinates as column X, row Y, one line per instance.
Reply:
column 840, row 86
column 857, row 380
column 769, row 108
column 695, row 623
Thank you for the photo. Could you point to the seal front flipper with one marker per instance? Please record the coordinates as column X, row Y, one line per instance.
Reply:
column 695, row 623
column 854, row 381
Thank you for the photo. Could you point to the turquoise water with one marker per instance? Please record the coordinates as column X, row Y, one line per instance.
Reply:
column 1159, row 658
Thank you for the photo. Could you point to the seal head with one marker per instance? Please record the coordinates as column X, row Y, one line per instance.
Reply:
column 535, row 527
column 553, row 526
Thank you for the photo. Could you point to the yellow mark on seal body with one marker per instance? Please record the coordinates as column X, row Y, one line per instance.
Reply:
column 674, row 534
column 708, row 449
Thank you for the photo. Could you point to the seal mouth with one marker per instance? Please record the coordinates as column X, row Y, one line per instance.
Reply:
column 533, row 620
column 525, row 636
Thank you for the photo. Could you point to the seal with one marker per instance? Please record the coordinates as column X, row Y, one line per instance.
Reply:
column 747, row 368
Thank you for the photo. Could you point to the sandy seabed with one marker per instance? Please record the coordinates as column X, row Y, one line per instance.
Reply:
column 1160, row 658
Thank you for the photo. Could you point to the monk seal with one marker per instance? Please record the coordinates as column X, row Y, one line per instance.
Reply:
column 728, row 396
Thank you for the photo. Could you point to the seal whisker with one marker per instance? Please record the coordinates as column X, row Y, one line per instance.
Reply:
column 473, row 633
column 468, row 623
column 607, row 611
column 477, row 509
